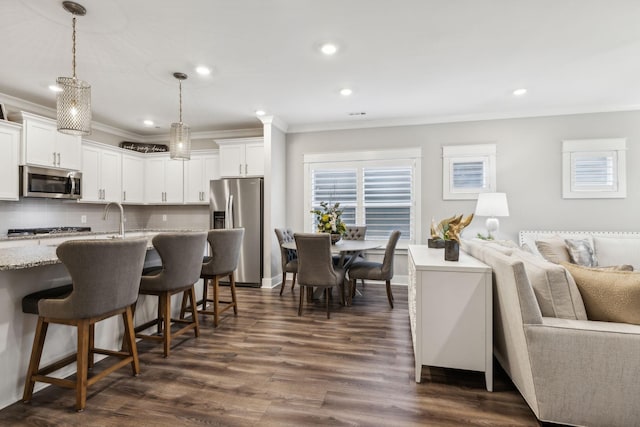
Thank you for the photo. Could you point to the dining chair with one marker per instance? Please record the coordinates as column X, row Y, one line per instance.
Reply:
column 354, row 232
column 288, row 257
column 105, row 277
column 369, row 270
column 315, row 266
column 181, row 255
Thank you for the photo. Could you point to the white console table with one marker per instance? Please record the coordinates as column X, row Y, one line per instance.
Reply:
column 450, row 309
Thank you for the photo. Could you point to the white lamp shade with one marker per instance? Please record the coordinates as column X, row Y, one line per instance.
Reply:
column 492, row 204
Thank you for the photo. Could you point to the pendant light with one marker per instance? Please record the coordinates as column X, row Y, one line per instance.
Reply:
column 180, row 136
column 74, row 99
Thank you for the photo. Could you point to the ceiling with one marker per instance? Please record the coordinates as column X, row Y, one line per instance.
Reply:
column 408, row 61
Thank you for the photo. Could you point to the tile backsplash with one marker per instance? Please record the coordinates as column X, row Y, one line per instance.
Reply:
column 31, row 213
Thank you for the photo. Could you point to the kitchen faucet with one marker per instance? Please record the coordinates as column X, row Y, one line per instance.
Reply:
column 106, row 212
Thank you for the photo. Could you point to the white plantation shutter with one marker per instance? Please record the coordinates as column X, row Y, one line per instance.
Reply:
column 379, row 189
column 594, row 168
column 468, row 170
column 388, row 201
column 336, row 186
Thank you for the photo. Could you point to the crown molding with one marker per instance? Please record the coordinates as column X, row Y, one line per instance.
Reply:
column 213, row 134
column 275, row 121
column 428, row 120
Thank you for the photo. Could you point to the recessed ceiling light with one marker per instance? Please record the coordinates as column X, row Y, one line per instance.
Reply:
column 328, row 48
column 260, row 113
column 519, row 92
column 148, row 123
column 346, row 91
column 203, row 71
column 55, row 88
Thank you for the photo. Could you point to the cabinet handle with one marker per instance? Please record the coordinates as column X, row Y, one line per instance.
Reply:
column 58, row 159
column 54, row 158
column 124, row 196
column 246, row 169
column 240, row 172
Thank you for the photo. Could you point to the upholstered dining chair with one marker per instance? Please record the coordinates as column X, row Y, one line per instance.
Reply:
column 354, row 232
column 181, row 255
column 105, row 278
column 288, row 257
column 369, row 270
column 315, row 266
column 225, row 247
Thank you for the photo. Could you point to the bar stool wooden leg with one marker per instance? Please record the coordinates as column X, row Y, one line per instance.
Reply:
column 216, row 308
column 130, row 340
column 92, row 341
column 302, row 289
column 232, row 284
column 82, row 363
column 194, row 310
column 36, row 355
column 167, row 322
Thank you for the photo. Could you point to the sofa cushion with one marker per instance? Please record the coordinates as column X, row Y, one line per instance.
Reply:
column 553, row 287
column 581, row 252
column 611, row 296
column 553, row 249
column 613, row 251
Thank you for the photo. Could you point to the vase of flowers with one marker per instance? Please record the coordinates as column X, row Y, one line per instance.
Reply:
column 328, row 220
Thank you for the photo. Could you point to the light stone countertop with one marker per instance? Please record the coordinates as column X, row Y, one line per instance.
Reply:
column 20, row 257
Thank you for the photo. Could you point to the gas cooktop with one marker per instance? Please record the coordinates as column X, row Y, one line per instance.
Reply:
column 14, row 232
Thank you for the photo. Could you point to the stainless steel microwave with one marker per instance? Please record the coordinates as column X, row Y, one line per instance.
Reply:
column 51, row 183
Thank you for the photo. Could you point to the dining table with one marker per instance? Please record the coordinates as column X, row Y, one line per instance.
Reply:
column 348, row 250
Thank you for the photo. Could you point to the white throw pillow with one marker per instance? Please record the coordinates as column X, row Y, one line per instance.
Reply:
column 616, row 251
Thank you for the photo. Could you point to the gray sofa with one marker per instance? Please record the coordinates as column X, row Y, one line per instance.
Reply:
column 570, row 370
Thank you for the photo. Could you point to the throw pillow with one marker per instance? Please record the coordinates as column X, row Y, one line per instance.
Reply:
column 614, row 250
column 553, row 249
column 581, row 252
column 610, row 296
column 553, row 287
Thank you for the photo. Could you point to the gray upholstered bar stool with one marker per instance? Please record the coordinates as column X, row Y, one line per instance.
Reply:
column 315, row 266
column 370, row 270
column 106, row 275
column 288, row 257
column 181, row 255
column 225, row 252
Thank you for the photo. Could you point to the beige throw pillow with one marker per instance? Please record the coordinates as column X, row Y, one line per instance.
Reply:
column 553, row 249
column 610, row 296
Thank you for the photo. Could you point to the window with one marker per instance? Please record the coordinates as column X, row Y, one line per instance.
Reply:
column 594, row 168
column 468, row 170
column 373, row 188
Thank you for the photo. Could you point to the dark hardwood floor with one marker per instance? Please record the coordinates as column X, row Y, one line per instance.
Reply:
column 267, row 366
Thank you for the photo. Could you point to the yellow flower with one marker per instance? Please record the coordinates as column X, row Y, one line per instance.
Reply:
column 328, row 226
column 325, row 218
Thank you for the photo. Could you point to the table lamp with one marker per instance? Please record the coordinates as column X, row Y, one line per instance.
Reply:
column 492, row 205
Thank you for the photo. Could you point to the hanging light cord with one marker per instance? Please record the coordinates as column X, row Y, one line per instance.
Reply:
column 73, row 49
column 180, row 85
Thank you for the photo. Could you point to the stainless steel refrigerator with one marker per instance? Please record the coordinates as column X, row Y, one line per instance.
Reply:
column 238, row 203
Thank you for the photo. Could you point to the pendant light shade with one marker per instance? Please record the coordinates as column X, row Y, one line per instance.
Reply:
column 180, row 136
column 73, row 103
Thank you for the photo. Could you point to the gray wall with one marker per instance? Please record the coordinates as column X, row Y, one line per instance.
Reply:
column 529, row 169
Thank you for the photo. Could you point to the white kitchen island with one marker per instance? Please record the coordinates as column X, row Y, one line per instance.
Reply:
column 27, row 269
column 450, row 310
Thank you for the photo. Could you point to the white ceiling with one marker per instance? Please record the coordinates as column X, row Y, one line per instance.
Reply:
column 407, row 61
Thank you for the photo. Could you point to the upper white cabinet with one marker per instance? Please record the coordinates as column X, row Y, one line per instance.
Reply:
column 163, row 180
column 43, row 145
column 241, row 157
column 101, row 173
column 10, row 147
column 198, row 171
column 133, row 167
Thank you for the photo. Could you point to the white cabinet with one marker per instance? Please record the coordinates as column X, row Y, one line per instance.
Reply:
column 450, row 312
column 198, row 171
column 133, row 167
column 241, row 157
column 43, row 145
column 9, row 146
column 163, row 180
column 101, row 173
